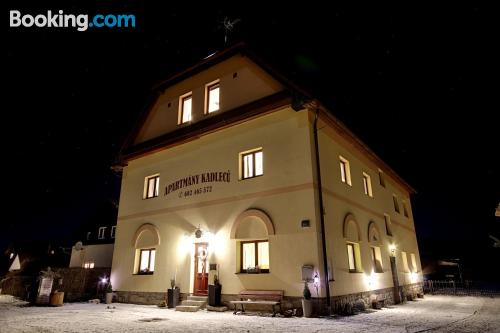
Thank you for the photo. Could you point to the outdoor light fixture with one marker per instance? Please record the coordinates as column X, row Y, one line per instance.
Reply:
column 316, row 283
column 198, row 233
column 392, row 248
column 316, row 279
column 104, row 280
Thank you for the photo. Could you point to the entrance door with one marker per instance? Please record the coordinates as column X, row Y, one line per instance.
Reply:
column 200, row 269
column 395, row 280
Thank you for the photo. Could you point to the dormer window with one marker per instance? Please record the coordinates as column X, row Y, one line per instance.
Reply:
column 185, row 108
column 101, row 233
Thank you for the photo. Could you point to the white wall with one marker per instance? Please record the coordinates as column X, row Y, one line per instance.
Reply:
column 100, row 254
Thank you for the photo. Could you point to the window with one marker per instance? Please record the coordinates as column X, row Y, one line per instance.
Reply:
column 151, row 186
column 351, row 257
column 185, row 108
column 367, row 184
column 413, row 262
column 102, row 231
column 345, row 171
column 113, row 231
column 88, row 235
column 405, row 209
column 406, row 269
column 147, row 261
column 381, row 178
column 212, row 97
column 388, row 226
column 396, row 203
column 252, row 164
column 377, row 259
column 255, row 254
column 88, row 265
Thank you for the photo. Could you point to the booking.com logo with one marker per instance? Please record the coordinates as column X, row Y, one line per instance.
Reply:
column 61, row 20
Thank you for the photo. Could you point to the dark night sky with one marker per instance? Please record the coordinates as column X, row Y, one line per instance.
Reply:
column 416, row 84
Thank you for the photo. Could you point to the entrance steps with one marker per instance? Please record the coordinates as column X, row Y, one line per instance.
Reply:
column 192, row 304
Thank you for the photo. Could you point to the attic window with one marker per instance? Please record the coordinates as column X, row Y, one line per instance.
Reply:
column 212, row 94
column 101, row 233
column 185, row 108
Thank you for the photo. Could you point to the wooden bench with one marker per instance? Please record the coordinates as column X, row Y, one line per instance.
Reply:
column 378, row 302
column 259, row 297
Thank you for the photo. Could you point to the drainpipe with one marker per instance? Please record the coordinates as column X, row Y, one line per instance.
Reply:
column 321, row 209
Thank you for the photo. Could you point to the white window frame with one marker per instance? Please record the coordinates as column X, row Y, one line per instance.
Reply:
column 406, row 267
column 150, row 268
column 367, row 184
column 413, row 262
column 208, row 88
column 376, row 255
column 242, row 163
column 381, row 178
column 395, row 202
column 405, row 209
column 102, row 233
column 388, row 225
column 182, row 98
column 156, row 191
column 345, row 171
column 355, row 260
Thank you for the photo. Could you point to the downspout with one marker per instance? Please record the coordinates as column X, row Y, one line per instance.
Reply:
column 321, row 209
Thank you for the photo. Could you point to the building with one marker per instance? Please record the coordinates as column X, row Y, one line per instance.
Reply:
column 94, row 244
column 220, row 177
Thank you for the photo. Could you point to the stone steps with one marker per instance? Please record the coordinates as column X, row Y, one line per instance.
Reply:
column 201, row 304
column 192, row 304
column 187, row 308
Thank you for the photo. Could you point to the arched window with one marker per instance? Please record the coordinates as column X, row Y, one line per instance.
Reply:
column 251, row 229
column 352, row 236
column 145, row 241
column 375, row 242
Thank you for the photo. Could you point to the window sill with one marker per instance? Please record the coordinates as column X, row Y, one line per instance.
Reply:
column 143, row 273
column 244, row 273
column 241, row 179
column 355, row 272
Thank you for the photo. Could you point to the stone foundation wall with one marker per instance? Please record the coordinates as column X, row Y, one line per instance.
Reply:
column 78, row 284
column 338, row 303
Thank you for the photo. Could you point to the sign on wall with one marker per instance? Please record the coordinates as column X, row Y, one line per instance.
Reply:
column 203, row 182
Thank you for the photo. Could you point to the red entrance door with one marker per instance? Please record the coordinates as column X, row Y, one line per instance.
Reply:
column 200, row 269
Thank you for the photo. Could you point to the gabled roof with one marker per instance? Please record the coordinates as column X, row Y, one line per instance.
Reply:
column 296, row 96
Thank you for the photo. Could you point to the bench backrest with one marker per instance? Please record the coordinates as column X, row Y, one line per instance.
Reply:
column 271, row 295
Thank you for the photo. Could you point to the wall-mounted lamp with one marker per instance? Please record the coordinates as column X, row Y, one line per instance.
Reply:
column 198, row 233
column 316, row 279
column 392, row 248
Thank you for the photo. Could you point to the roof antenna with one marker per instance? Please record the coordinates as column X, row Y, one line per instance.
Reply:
column 229, row 26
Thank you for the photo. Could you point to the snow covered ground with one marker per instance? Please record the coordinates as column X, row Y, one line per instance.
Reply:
column 432, row 314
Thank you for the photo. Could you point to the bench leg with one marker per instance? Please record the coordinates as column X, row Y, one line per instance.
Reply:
column 242, row 308
column 274, row 311
column 235, row 309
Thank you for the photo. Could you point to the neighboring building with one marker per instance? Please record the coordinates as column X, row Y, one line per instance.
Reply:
column 95, row 241
column 220, row 174
column 94, row 251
